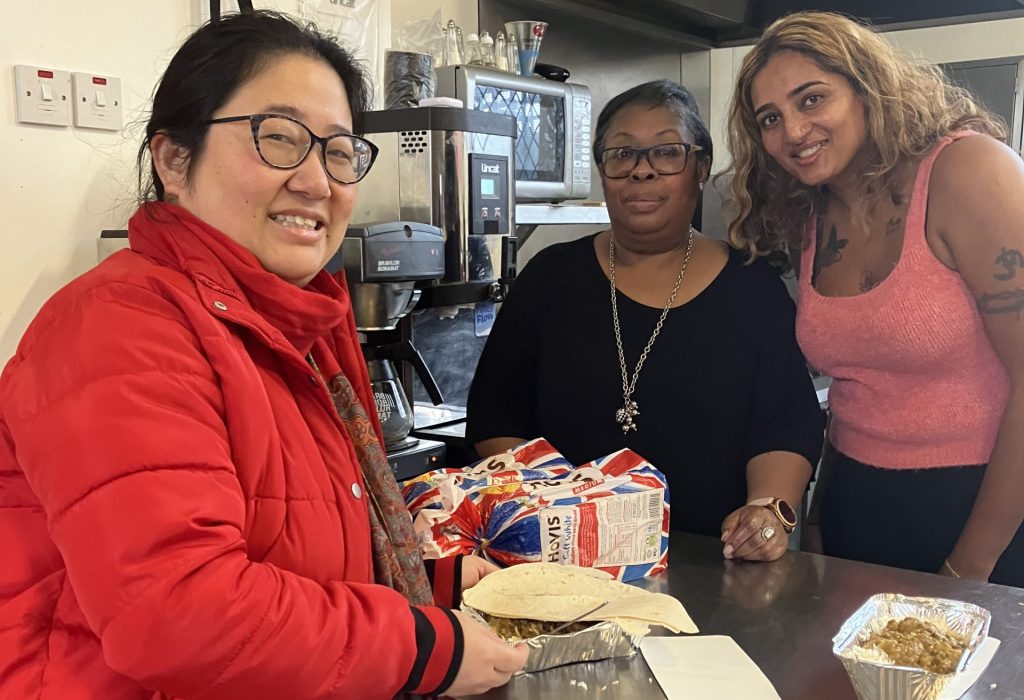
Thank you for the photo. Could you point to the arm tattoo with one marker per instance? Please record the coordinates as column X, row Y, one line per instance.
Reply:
column 1010, row 260
column 868, row 281
column 1008, row 302
column 893, row 226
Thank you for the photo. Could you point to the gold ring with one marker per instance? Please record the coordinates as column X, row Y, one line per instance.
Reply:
column 767, row 532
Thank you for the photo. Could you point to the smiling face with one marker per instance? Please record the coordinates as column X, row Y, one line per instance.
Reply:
column 293, row 221
column 649, row 210
column 811, row 121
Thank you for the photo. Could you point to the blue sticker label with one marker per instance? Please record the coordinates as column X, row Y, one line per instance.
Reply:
column 483, row 319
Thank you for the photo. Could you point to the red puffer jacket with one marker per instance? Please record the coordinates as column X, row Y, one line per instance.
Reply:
column 181, row 511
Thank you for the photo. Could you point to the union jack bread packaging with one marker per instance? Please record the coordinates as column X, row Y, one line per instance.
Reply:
column 530, row 505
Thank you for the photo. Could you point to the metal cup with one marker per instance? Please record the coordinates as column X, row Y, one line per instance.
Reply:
column 528, row 35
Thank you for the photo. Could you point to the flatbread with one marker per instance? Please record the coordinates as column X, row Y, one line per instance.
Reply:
column 558, row 593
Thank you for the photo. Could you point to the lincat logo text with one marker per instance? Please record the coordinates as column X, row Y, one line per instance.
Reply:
column 490, row 168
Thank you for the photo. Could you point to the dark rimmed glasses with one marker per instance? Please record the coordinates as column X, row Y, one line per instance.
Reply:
column 284, row 142
column 664, row 158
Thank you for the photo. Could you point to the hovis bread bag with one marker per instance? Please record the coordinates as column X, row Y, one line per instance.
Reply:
column 531, row 505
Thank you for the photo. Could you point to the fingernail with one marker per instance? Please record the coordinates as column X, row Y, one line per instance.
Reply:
column 728, row 551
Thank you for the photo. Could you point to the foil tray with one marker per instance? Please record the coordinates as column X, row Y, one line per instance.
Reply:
column 604, row 640
column 874, row 679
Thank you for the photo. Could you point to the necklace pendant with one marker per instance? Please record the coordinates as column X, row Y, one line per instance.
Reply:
column 625, row 415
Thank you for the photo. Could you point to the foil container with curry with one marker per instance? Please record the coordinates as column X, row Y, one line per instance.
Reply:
column 583, row 641
column 874, row 678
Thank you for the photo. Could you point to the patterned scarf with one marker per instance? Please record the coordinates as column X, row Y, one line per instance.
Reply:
column 397, row 561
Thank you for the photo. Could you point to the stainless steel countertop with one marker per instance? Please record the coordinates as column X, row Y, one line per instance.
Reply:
column 784, row 615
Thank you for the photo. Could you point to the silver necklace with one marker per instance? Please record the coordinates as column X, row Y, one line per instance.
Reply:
column 625, row 416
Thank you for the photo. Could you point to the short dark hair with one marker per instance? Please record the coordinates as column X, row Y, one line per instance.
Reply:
column 657, row 93
column 220, row 57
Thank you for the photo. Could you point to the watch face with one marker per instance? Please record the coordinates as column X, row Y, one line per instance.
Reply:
column 786, row 511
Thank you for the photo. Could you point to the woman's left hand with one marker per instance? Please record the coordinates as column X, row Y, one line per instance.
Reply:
column 475, row 568
column 753, row 533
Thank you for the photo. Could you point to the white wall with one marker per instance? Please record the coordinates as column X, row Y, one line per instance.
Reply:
column 962, row 42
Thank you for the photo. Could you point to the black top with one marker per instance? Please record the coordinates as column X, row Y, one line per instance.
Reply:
column 724, row 381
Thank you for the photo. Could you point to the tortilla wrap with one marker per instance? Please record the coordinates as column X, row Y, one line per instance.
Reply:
column 558, row 593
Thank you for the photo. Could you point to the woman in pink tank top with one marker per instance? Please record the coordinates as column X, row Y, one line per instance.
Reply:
column 892, row 189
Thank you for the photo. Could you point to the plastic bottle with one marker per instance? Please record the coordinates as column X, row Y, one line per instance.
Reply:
column 487, row 50
column 500, row 52
column 513, row 55
column 472, row 53
column 461, row 44
column 452, row 53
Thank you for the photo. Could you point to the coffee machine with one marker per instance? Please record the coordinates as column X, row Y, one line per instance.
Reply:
column 454, row 169
column 383, row 262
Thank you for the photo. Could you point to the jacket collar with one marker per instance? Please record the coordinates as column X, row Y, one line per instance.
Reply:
column 231, row 281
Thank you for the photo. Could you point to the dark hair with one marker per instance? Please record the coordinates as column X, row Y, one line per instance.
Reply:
column 220, row 57
column 657, row 93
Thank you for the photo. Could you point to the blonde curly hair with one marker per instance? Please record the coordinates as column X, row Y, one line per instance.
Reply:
column 909, row 105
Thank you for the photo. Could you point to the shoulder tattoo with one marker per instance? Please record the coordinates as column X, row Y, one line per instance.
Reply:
column 1009, row 260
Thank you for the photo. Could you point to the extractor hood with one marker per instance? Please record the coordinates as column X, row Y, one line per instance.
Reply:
column 713, row 23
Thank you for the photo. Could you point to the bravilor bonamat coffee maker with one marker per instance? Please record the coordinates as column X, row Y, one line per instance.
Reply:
column 454, row 169
column 382, row 263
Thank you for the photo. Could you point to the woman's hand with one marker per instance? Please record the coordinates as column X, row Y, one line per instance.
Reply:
column 475, row 568
column 487, row 661
column 744, row 534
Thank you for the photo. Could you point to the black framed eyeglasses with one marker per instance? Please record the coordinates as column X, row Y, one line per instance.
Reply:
column 664, row 158
column 284, row 142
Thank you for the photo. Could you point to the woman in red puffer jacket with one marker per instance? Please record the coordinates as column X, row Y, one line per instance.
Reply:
column 194, row 501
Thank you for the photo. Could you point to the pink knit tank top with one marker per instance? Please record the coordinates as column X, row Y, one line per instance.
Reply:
column 916, row 382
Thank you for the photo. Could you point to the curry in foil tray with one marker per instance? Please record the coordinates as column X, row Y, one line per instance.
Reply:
column 919, row 644
column 517, row 629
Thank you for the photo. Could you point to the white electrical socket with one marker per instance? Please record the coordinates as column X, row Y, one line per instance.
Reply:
column 98, row 102
column 43, row 95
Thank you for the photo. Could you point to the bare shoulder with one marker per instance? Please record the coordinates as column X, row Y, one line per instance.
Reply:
column 973, row 163
column 976, row 185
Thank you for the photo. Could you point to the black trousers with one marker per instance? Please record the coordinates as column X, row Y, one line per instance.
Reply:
column 909, row 518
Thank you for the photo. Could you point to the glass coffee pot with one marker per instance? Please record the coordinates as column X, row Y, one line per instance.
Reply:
column 396, row 415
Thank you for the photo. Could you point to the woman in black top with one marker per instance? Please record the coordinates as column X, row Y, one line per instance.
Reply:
column 721, row 402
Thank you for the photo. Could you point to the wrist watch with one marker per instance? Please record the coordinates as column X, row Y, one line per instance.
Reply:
column 782, row 510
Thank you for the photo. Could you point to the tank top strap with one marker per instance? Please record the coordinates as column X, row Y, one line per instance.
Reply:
column 917, row 214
